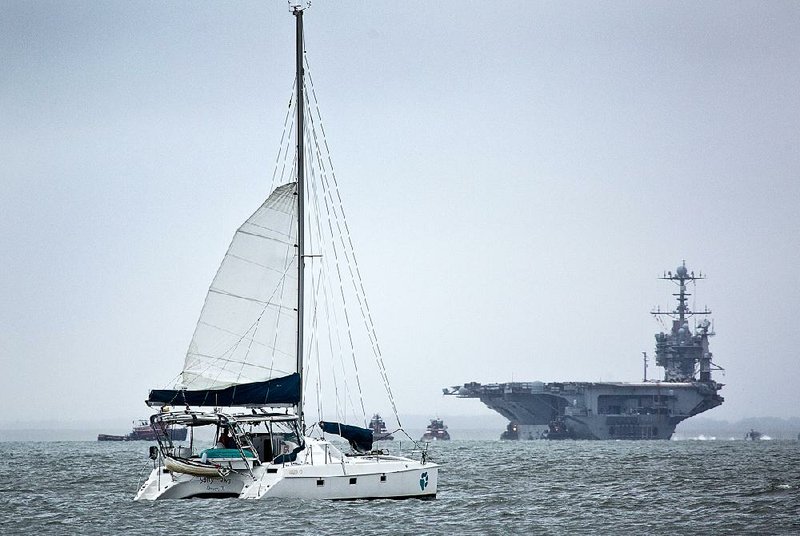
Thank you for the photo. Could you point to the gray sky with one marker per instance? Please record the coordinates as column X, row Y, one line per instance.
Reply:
column 516, row 175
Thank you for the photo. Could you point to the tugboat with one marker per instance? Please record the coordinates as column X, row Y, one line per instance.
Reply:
column 379, row 431
column 753, row 435
column 557, row 430
column 144, row 432
column 511, row 432
column 437, row 431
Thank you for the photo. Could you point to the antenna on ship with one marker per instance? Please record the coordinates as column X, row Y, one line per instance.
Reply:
column 644, row 357
column 681, row 277
column 680, row 350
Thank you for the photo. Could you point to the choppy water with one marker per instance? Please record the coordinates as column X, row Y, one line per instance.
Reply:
column 485, row 487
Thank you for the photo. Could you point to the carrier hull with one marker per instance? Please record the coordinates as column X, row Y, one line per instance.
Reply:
column 604, row 410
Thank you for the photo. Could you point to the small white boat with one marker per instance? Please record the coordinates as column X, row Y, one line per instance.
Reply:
column 753, row 435
column 248, row 352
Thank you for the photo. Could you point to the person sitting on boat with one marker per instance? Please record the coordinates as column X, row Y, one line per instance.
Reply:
column 225, row 441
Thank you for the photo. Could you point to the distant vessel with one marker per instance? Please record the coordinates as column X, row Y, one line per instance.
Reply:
column 144, row 432
column 436, row 431
column 650, row 409
column 379, row 431
column 511, row 432
column 753, row 435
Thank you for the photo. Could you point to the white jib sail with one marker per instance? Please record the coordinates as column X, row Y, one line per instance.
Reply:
column 248, row 326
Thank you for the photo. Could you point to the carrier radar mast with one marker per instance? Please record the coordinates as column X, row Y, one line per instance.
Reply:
column 680, row 352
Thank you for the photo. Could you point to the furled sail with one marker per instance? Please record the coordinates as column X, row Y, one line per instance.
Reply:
column 359, row 438
column 245, row 339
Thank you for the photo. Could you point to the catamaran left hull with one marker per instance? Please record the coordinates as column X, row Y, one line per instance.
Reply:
column 164, row 484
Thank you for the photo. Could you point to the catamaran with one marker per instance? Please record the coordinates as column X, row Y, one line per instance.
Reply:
column 246, row 377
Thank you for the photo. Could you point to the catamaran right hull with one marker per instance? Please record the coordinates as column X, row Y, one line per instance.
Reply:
column 321, row 471
column 383, row 480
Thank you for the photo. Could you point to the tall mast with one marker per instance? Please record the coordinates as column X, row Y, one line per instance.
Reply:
column 297, row 10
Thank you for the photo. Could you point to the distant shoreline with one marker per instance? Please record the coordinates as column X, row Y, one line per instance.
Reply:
column 460, row 427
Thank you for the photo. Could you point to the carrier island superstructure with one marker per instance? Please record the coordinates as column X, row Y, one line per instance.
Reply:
column 617, row 410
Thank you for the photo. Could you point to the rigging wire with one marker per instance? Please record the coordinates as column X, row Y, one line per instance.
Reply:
column 356, row 278
column 323, row 296
column 323, row 278
column 345, row 310
column 284, row 147
column 313, row 350
column 324, row 186
column 317, row 212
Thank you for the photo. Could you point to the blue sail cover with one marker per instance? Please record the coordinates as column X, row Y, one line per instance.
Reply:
column 278, row 391
column 360, row 438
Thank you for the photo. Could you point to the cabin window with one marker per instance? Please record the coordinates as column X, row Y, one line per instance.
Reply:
column 353, row 480
column 383, row 478
column 320, row 482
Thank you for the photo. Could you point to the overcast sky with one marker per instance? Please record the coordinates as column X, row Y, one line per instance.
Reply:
column 516, row 174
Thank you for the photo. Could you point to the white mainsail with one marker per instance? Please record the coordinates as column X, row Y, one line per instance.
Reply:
column 248, row 326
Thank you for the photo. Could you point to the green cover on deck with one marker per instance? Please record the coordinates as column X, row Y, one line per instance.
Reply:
column 226, row 453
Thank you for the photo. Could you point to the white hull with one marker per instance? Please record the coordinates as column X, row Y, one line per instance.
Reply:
column 163, row 484
column 321, row 471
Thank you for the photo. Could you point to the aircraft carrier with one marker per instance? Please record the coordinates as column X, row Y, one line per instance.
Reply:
column 650, row 409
